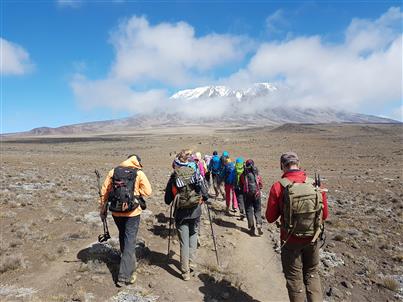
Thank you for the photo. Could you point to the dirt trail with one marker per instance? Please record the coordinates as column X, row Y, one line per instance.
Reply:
column 257, row 265
column 249, row 269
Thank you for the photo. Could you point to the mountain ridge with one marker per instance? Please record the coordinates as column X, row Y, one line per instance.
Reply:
column 247, row 107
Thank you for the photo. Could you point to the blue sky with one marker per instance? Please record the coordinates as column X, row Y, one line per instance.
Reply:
column 66, row 62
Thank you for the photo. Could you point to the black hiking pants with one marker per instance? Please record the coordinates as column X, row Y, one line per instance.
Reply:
column 240, row 198
column 128, row 228
column 253, row 207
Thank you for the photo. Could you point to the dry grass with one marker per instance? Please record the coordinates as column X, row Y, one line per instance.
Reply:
column 338, row 237
column 11, row 262
column 391, row 284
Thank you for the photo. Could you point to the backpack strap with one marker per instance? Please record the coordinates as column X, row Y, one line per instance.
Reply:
column 309, row 180
column 285, row 182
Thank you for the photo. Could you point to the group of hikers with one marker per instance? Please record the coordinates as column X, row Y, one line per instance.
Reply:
column 300, row 203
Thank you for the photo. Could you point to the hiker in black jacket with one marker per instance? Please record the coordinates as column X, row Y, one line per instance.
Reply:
column 251, row 182
column 187, row 191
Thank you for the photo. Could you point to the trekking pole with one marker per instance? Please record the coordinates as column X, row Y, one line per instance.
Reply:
column 169, row 232
column 105, row 236
column 212, row 234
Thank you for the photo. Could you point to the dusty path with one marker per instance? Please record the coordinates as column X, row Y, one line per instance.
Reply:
column 256, row 264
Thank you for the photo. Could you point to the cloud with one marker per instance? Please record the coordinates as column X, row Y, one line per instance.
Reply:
column 14, row 59
column 69, row 3
column 397, row 113
column 276, row 22
column 363, row 72
column 165, row 54
column 169, row 52
column 111, row 93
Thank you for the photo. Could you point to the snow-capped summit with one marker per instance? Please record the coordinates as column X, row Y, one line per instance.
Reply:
column 256, row 90
column 202, row 92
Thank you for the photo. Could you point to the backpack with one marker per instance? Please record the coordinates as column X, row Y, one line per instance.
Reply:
column 302, row 208
column 186, row 181
column 239, row 168
column 252, row 183
column 122, row 193
column 215, row 164
column 230, row 174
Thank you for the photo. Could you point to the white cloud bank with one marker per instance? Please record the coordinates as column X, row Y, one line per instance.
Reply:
column 166, row 54
column 14, row 59
column 365, row 70
column 362, row 73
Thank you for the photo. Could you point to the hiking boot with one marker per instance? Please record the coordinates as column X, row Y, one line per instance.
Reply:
column 259, row 231
column 242, row 217
column 186, row 276
column 252, row 231
column 227, row 211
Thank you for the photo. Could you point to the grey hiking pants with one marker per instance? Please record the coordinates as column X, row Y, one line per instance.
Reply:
column 187, row 232
column 253, row 207
column 300, row 263
column 128, row 228
column 217, row 185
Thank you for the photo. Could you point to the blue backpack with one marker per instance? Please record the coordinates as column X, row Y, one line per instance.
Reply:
column 215, row 164
column 230, row 174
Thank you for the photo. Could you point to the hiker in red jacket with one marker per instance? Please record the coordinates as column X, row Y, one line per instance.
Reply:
column 299, row 254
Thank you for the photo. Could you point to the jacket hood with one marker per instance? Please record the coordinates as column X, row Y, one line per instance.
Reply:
column 131, row 162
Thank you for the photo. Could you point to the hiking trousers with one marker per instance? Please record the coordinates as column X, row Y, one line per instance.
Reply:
column 230, row 196
column 217, row 185
column 240, row 199
column 187, row 232
column 253, row 207
column 128, row 228
column 300, row 263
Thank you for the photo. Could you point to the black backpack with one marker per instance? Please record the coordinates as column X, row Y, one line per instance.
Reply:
column 121, row 197
column 252, row 183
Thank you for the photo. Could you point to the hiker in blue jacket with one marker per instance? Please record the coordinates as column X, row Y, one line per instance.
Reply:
column 215, row 167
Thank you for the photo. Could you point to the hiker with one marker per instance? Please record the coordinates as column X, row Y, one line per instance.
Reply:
column 207, row 159
column 239, row 168
column 123, row 190
column 229, row 177
column 299, row 230
column 215, row 168
column 187, row 191
column 201, row 164
column 251, row 182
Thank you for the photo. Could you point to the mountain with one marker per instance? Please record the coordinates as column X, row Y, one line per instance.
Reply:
column 218, row 106
column 257, row 90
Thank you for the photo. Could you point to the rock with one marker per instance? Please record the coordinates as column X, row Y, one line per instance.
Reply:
column 225, row 295
column 334, row 292
column 331, row 245
column 355, row 245
column 77, row 278
column 347, row 284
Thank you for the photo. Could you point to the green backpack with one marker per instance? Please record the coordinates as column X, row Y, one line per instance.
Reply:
column 302, row 208
column 186, row 182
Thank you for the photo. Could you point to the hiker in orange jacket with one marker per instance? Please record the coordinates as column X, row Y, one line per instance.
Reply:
column 127, row 216
column 299, row 256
